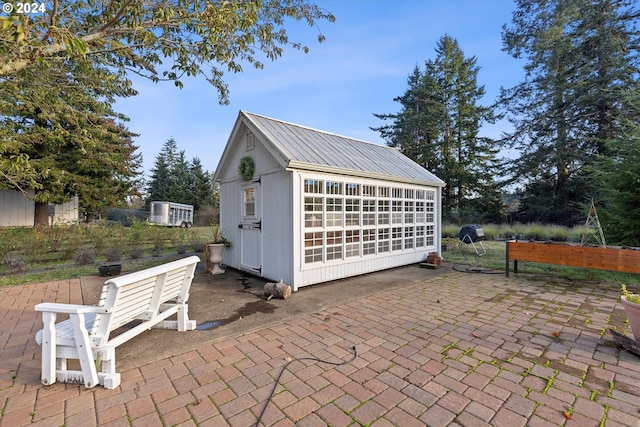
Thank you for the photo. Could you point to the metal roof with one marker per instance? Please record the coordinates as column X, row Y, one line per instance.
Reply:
column 315, row 150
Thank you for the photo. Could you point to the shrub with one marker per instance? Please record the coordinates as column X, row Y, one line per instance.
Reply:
column 113, row 253
column 136, row 252
column 85, row 256
column 13, row 262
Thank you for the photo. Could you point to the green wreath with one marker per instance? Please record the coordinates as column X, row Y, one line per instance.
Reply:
column 246, row 168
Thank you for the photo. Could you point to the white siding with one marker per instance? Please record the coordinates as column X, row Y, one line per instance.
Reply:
column 277, row 229
column 318, row 266
column 281, row 167
column 15, row 209
column 66, row 213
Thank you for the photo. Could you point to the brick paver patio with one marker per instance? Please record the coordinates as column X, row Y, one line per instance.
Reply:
column 457, row 349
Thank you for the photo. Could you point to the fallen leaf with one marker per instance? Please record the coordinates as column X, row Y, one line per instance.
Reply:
column 567, row 416
column 555, row 333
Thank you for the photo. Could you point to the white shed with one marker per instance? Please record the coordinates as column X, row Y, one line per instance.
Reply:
column 18, row 210
column 308, row 206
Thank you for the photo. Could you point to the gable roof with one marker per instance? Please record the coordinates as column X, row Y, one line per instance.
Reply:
column 302, row 148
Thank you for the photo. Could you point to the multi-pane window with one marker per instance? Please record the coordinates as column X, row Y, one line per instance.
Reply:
column 429, row 211
column 408, row 212
column 383, row 240
column 429, row 235
column 313, row 243
column 396, row 238
column 408, row 237
column 368, row 212
column 334, row 211
column 313, row 211
column 349, row 219
column 352, row 212
column 383, row 212
column 334, row 187
column 313, row 186
column 352, row 189
column 334, row 245
column 369, row 241
column 420, row 211
column 419, row 236
column 352, row 243
column 369, row 190
column 396, row 211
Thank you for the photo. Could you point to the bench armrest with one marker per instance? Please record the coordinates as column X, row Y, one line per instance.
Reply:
column 69, row 308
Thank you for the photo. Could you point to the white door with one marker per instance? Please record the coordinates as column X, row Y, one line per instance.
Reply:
column 251, row 229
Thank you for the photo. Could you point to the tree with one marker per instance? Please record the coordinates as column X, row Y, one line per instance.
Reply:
column 161, row 185
column 201, row 186
column 96, row 45
column 138, row 35
column 68, row 134
column 619, row 173
column 438, row 127
column 175, row 179
column 581, row 58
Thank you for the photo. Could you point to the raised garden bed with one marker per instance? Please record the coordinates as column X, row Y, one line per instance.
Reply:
column 612, row 259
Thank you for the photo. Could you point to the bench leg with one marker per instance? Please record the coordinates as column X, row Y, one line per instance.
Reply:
column 49, row 364
column 184, row 324
column 85, row 354
column 108, row 376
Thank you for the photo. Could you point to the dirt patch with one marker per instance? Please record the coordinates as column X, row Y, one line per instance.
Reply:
column 233, row 303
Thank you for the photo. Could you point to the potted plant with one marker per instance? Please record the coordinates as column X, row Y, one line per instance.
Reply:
column 631, row 303
column 214, row 249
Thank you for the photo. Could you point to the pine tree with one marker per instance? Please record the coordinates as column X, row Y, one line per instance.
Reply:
column 160, row 181
column 175, row 179
column 581, row 56
column 619, row 173
column 438, row 127
column 201, row 187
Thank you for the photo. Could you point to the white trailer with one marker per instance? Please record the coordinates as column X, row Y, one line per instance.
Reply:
column 171, row 214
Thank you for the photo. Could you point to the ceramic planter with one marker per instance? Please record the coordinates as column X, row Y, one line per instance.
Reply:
column 215, row 256
column 633, row 314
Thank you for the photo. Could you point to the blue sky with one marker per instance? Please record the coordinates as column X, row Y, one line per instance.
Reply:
column 364, row 63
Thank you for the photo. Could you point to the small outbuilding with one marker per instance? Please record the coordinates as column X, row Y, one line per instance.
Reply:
column 308, row 206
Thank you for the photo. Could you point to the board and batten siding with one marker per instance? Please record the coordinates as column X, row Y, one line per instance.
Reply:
column 331, row 233
column 16, row 210
column 277, row 230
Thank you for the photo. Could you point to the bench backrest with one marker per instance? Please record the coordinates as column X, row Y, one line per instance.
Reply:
column 139, row 295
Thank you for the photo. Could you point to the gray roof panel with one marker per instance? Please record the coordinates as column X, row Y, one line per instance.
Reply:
column 303, row 145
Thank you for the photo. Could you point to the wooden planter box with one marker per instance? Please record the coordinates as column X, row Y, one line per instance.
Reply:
column 613, row 259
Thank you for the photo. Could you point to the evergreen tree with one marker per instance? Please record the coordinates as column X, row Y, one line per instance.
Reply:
column 438, row 127
column 177, row 180
column 40, row 53
column 619, row 173
column 161, row 181
column 581, row 57
column 72, row 137
column 201, row 187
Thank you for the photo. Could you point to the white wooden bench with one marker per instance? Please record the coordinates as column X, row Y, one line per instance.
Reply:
column 149, row 296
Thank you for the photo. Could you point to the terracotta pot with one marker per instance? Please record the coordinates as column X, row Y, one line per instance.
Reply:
column 633, row 314
column 215, row 256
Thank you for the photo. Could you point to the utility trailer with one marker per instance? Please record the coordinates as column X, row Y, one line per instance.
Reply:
column 171, row 214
